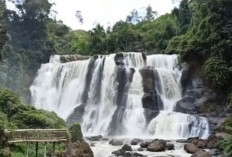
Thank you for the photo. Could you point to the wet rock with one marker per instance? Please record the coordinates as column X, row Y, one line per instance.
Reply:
column 200, row 143
column 126, row 147
column 119, row 152
column 157, row 146
column 70, row 58
column 140, row 149
column 170, row 146
column 135, row 141
column 81, row 149
column 186, row 105
column 138, row 155
column 115, row 142
column 213, row 142
column 92, row 144
column 191, row 148
column 119, row 59
column 95, row 138
column 145, row 144
column 130, row 154
column 105, row 139
column 201, row 153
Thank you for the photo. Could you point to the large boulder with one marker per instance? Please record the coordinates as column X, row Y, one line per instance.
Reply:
column 191, row 148
column 135, row 141
column 157, row 146
column 201, row 153
column 200, row 143
column 145, row 144
column 80, row 149
column 126, row 147
column 119, row 59
column 119, row 152
column 170, row 146
column 115, row 142
column 186, row 105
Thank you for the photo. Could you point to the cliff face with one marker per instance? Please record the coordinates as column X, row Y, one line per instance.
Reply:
column 199, row 98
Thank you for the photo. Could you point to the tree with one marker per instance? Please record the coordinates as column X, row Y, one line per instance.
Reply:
column 3, row 30
column 97, row 40
column 184, row 15
column 134, row 17
column 79, row 17
column 150, row 14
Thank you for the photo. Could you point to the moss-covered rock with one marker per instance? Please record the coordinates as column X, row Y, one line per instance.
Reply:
column 76, row 134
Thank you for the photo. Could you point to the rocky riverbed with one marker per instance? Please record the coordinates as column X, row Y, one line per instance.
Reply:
column 125, row 147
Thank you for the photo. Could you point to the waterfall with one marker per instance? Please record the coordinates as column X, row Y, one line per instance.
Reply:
column 105, row 95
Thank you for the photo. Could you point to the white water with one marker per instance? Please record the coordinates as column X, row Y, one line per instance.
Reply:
column 59, row 87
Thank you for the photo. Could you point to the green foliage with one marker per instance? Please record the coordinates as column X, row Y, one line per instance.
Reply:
column 14, row 114
column 227, row 145
column 76, row 134
column 3, row 30
column 28, row 46
column 157, row 33
column 217, row 72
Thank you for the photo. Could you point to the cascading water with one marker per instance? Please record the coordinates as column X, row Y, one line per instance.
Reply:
column 105, row 95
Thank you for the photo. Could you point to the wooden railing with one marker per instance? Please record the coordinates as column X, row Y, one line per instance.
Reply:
column 37, row 135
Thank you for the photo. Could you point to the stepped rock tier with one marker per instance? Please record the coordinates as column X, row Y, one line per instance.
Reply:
column 123, row 94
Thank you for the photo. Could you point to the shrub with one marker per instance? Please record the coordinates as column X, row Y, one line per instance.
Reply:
column 227, row 145
column 217, row 72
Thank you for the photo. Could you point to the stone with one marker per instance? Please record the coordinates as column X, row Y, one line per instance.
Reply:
column 80, row 149
column 186, row 105
column 200, row 143
column 70, row 58
column 170, row 146
column 115, row 142
column 144, row 144
column 119, row 59
column 126, row 147
column 119, row 152
column 135, row 141
column 95, row 138
column 191, row 148
column 157, row 146
column 201, row 153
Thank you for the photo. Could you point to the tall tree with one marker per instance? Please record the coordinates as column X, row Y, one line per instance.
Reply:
column 150, row 14
column 3, row 30
column 134, row 17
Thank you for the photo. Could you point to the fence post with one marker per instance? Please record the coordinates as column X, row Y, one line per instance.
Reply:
column 36, row 149
column 45, row 149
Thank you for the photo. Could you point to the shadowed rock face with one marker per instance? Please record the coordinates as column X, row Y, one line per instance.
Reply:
column 80, row 149
column 151, row 100
column 195, row 93
column 124, row 77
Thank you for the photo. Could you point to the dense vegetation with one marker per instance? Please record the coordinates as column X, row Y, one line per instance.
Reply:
column 16, row 115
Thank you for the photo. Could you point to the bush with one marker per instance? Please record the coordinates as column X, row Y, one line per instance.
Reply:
column 76, row 134
column 227, row 145
column 217, row 72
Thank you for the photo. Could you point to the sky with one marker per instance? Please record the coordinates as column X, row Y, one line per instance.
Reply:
column 104, row 12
